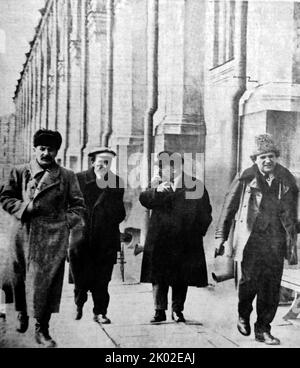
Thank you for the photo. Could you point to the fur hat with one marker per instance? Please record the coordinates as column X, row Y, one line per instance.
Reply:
column 45, row 137
column 264, row 143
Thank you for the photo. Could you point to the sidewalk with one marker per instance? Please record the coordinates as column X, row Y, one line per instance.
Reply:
column 210, row 314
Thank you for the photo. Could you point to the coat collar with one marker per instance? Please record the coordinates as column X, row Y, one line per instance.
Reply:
column 282, row 174
column 49, row 178
column 36, row 168
column 90, row 176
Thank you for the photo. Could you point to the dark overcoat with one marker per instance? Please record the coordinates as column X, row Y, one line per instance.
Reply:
column 39, row 241
column 101, row 242
column 242, row 205
column 173, row 251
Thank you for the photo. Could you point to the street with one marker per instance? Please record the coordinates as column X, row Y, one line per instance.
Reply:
column 210, row 313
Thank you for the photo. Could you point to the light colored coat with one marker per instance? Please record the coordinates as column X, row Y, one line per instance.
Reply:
column 242, row 205
column 39, row 240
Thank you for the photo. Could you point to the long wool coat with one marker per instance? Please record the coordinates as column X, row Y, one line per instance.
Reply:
column 173, row 251
column 39, row 242
column 242, row 204
column 101, row 240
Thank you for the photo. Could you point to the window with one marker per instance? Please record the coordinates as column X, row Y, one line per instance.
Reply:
column 73, row 163
column 224, row 27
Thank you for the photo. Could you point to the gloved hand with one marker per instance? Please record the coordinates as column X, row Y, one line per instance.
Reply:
column 219, row 251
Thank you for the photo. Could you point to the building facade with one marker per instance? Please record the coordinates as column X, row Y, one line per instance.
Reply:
column 198, row 77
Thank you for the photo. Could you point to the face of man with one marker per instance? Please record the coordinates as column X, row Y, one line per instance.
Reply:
column 266, row 162
column 101, row 165
column 45, row 155
column 169, row 172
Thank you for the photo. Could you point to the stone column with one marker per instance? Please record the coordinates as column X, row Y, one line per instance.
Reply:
column 51, row 34
column 84, row 78
column 44, row 78
column 30, row 108
column 62, row 76
column 37, row 85
column 27, row 113
column 73, row 154
column 179, row 122
column 96, row 81
column 130, row 99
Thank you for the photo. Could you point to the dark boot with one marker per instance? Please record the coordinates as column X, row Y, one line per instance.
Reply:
column 267, row 338
column 178, row 317
column 243, row 325
column 160, row 316
column 23, row 322
column 42, row 335
column 101, row 318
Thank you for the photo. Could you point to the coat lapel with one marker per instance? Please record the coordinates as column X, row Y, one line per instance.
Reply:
column 48, row 180
column 91, row 179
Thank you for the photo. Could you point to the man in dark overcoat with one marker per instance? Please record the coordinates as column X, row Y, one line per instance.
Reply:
column 173, row 253
column 45, row 202
column 262, row 206
column 95, row 256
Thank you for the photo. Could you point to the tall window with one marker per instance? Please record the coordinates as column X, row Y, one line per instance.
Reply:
column 224, row 27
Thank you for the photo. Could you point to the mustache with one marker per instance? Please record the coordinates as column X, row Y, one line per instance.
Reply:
column 46, row 157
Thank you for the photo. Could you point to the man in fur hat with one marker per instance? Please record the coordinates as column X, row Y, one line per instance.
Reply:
column 263, row 203
column 46, row 203
column 93, row 261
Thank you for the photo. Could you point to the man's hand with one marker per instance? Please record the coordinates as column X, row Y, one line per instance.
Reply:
column 29, row 208
column 220, row 250
column 155, row 181
column 164, row 187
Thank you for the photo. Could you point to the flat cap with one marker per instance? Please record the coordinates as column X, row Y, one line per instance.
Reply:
column 105, row 151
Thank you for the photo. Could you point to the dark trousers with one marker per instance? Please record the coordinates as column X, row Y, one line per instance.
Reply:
column 261, row 278
column 99, row 290
column 20, row 295
column 160, row 296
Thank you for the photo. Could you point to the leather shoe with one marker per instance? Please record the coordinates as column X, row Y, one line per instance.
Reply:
column 23, row 322
column 101, row 318
column 78, row 315
column 267, row 338
column 160, row 316
column 178, row 317
column 42, row 337
column 243, row 326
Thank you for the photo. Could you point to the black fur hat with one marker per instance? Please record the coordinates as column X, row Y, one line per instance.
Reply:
column 45, row 137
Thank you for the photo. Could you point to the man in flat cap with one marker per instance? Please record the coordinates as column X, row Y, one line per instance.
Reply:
column 262, row 206
column 92, row 263
column 45, row 202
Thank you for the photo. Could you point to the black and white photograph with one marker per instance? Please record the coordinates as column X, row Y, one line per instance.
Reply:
column 149, row 177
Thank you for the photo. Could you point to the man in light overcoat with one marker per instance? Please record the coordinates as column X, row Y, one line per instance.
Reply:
column 261, row 204
column 45, row 203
